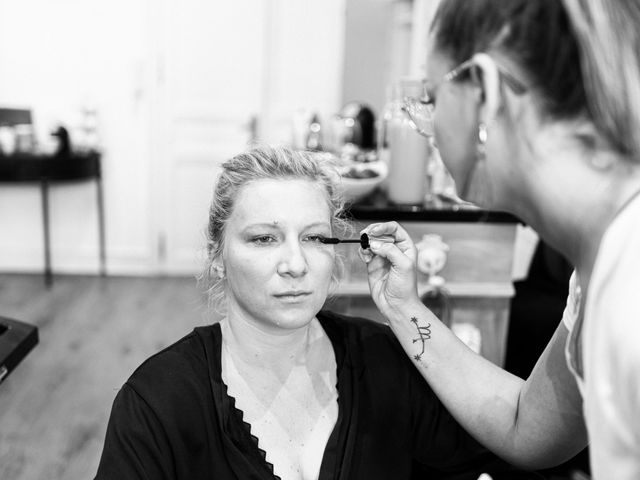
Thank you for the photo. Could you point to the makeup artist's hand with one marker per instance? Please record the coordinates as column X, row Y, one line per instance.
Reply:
column 391, row 265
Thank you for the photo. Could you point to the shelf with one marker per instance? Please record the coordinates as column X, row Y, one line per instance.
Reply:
column 458, row 289
column 378, row 208
column 35, row 168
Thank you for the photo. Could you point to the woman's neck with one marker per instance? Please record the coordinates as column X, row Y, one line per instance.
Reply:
column 263, row 348
column 573, row 211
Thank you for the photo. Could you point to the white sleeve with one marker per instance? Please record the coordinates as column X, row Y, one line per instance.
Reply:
column 572, row 308
column 610, row 339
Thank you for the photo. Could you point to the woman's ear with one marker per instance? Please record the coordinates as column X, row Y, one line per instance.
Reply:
column 217, row 264
column 485, row 73
column 218, row 268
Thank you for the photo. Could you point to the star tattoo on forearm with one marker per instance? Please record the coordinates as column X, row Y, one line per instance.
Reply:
column 424, row 333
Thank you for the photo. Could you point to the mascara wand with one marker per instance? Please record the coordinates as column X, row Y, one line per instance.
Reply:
column 363, row 241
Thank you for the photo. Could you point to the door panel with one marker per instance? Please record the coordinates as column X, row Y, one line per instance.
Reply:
column 220, row 65
column 211, row 78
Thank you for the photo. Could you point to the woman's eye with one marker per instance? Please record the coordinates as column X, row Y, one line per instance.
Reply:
column 263, row 239
column 314, row 238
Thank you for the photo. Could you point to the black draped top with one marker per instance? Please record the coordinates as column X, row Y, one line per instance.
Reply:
column 173, row 418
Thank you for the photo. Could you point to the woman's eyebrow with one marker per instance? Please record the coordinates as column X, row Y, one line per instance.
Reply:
column 278, row 226
column 263, row 225
column 318, row 224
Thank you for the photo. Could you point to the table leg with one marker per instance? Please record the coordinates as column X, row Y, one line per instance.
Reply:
column 44, row 188
column 101, row 225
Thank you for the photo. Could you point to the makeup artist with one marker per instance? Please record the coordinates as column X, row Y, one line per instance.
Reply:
column 536, row 111
column 277, row 388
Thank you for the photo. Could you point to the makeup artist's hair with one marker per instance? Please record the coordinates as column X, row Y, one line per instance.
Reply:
column 580, row 56
column 259, row 163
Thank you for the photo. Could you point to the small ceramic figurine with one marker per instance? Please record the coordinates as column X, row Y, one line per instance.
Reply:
column 432, row 257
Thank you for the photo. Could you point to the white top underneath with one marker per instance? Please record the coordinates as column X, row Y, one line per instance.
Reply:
column 294, row 423
column 609, row 340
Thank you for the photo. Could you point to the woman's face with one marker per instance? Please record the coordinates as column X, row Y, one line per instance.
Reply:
column 277, row 272
column 455, row 122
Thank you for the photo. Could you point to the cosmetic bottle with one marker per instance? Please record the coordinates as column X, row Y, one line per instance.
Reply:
column 408, row 151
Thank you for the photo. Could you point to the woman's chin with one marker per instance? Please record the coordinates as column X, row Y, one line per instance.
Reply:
column 293, row 316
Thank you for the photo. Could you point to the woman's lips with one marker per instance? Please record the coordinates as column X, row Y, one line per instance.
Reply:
column 292, row 295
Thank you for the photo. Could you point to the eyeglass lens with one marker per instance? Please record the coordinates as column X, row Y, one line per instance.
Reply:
column 421, row 116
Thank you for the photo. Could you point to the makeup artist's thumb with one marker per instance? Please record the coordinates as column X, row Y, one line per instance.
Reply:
column 392, row 253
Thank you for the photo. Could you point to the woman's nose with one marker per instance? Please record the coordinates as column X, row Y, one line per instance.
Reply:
column 293, row 261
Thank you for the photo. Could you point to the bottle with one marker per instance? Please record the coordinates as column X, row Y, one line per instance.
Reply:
column 7, row 140
column 25, row 138
column 86, row 138
column 408, row 150
column 314, row 138
column 300, row 127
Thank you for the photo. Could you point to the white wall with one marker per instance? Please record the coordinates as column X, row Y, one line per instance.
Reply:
column 59, row 56
column 367, row 66
column 306, row 43
column 385, row 40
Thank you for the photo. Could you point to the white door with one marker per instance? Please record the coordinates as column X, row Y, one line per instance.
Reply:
column 227, row 72
column 209, row 80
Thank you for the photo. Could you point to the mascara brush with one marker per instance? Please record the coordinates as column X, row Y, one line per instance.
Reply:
column 363, row 240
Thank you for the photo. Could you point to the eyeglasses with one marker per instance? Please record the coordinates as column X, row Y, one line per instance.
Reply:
column 420, row 110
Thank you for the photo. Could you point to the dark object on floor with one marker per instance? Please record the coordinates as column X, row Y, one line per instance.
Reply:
column 17, row 339
column 536, row 311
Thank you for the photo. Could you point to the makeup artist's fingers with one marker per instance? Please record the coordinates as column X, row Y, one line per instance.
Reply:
column 391, row 275
column 399, row 259
column 365, row 255
column 392, row 229
column 388, row 228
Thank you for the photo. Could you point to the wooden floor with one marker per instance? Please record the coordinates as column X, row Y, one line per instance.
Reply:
column 93, row 333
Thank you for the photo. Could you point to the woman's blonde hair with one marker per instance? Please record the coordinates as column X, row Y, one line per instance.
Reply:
column 608, row 36
column 258, row 163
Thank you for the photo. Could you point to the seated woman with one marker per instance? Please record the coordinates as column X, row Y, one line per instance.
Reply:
column 279, row 388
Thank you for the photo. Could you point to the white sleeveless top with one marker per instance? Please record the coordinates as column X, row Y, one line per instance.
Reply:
column 603, row 350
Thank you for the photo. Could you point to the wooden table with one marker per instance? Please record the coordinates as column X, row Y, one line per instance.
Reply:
column 46, row 170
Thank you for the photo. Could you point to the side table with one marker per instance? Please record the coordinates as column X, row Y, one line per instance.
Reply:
column 51, row 169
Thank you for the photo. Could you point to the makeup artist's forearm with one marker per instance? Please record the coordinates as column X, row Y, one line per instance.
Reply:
column 482, row 398
column 489, row 402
